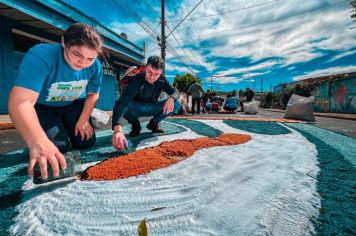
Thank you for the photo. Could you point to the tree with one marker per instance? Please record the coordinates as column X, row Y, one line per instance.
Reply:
column 353, row 4
column 182, row 82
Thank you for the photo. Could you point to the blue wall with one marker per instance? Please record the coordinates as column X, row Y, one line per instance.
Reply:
column 108, row 89
column 6, row 63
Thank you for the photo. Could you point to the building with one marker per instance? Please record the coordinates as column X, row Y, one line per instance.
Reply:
column 24, row 23
column 333, row 93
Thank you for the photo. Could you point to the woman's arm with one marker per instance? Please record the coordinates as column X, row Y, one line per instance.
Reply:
column 23, row 115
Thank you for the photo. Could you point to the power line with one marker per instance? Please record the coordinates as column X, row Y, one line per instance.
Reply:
column 136, row 18
column 227, row 12
column 185, row 3
column 147, row 3
column 148, row 29
column 185, row 17
column 265, row 22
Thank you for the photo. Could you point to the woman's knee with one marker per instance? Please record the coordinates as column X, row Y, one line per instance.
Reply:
column 62, row 145
column 84, row 144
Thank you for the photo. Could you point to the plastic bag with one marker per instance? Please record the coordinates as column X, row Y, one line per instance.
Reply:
column 251, row 107
column 100, row 116
column 300, row 108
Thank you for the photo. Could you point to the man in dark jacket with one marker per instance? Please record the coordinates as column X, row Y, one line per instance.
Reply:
column 140, row 99
column 247, row 97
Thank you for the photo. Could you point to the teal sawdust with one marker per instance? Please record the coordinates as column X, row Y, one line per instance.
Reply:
column 13, row 167
column 258, row 127
column 336, row 182
column 197, row 127
column 13, row 174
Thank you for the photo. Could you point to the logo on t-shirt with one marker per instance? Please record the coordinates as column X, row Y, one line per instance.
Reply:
column 66, row 91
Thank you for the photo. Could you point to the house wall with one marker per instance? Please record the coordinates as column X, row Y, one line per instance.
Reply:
column 6, row 63
column 336, row 96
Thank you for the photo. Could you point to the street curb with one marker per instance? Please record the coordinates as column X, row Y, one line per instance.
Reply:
column 328, row 115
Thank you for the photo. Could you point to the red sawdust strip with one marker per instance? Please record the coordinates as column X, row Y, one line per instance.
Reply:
column 6, row 125
column 282, row 120
column 167, row 153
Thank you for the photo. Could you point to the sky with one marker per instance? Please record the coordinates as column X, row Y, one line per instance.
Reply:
column 231, row 45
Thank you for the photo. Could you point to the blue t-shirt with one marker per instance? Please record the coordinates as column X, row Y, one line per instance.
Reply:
column 45, row 71
column 231, row 102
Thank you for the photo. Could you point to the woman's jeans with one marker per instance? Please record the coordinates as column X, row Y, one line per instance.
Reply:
column 59, row 125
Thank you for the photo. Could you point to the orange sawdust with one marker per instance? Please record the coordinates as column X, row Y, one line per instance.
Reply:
column 6, row 125
column 167, row 153
column 282, row 120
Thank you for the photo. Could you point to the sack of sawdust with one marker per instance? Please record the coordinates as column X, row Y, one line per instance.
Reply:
column 300, row 108
column 251, row 107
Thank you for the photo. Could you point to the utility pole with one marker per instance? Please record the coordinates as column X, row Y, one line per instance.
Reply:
column 163, row 38
column 261, row 97
column 211, row 84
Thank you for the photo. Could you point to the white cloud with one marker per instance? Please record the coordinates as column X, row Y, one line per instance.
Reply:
column 247, row 70
column 295, row 38
column 348, row 53
column 325, row 72
column 288, row 30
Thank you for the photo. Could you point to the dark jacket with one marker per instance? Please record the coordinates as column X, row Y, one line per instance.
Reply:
column 249, row 94
column 141, row 91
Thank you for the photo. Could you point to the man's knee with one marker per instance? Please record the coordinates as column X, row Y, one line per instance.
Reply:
column 177, row 106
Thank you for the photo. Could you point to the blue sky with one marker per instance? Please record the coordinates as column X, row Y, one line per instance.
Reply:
column 240, row 43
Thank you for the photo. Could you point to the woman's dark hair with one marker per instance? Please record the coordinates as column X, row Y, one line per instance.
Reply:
column 82, row 34
column 155, row 62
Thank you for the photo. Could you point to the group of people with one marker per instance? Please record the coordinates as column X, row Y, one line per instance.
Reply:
column 203, row 100
column 57, row 88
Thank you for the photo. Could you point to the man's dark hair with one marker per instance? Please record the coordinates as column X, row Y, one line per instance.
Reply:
column 80, row 34
column 155, row 62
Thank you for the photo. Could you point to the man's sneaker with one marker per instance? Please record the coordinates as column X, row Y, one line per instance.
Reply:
column 154, row 127
column 135, row 129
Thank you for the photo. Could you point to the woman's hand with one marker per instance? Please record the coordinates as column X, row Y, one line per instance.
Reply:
column 84, row 129
column 44, row 151
column 119, row 141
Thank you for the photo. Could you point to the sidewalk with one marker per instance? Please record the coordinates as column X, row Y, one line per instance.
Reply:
column 4, row 118
column 321, row 114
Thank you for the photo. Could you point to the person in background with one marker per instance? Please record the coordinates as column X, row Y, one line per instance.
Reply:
column 247, row 96
column 208, row 105
column 230, row 103
column 140, row 99
column 124, row 81
column 205, row 99
column 54, row 94
column 196, row 91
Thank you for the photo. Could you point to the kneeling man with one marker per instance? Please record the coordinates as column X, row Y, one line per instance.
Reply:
column 140, row 99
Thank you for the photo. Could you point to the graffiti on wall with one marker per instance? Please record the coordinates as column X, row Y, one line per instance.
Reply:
column 321, row 98
column 343, row 96
column 336, row 96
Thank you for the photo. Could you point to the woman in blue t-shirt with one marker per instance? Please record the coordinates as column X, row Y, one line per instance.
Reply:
column 54, row 94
